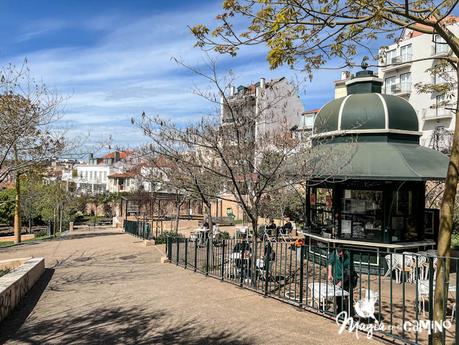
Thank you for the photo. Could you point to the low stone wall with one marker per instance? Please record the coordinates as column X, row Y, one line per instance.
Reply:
column 11, row 238
column 15, row 285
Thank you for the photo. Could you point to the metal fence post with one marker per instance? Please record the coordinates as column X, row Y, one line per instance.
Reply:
column 178, row 246
column 267, row 268
column 456, row 336
column 241, row 283
column 186, row 252
column 207, row 256
column 301, row 274
column 169, row 248
column 223, row 260
column 195, row 255
column 431, row 273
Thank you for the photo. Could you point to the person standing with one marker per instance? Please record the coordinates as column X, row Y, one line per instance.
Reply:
column 341, row 273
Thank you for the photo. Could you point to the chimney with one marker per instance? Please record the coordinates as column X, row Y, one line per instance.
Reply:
column 262, row 83
column 117, row 156
column 91, row 158
column 232, row 90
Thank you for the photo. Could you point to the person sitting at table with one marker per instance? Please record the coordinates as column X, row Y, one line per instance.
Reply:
column 244, row 250
column 271, row 227
column 287, row 227
column 341, row 273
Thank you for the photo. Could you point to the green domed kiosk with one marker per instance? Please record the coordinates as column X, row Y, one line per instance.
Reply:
column 368, row 183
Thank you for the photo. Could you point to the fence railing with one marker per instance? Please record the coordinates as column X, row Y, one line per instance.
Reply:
column 390, row 293
column 138, row 228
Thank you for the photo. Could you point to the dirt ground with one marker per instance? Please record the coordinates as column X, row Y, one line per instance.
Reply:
column 107, row 287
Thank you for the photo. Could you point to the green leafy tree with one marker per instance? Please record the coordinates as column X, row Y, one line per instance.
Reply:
column 306, row 34
column 7, row 197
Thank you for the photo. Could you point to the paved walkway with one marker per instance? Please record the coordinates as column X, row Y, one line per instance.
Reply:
column 107, row 288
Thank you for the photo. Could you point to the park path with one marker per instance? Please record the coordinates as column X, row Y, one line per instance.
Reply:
column 106, row 287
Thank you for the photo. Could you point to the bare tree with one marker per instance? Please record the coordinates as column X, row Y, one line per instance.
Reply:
column 240, row 154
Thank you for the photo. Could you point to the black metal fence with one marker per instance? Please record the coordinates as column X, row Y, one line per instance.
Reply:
column 138, row 228
column 390, row 294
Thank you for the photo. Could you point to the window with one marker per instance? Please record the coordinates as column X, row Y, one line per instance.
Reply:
column 440, row 104
column 403, row 220
column 321, row 207
column 362, row 215
column 90, row 175
column 406, row 53
column 389, row 85
column 390, row 56
column 405, row 82
column 440, row 45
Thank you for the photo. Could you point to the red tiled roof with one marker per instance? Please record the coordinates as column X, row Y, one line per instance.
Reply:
column 125, row 174
column 123, row 154
column 448, row 20
column 311, row 111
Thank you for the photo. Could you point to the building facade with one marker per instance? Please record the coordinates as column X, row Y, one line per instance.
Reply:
column 407, row 64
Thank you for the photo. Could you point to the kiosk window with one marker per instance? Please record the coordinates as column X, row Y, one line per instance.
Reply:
column 361, row 216
column 322, row 206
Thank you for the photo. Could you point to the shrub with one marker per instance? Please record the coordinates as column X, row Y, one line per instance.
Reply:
column 42, row 233
column 162, row 238
column 225, row 235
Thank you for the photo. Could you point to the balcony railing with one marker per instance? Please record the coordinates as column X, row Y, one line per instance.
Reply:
column 436, row 113
column 400, row 88
column 440, row 49
column 398, row 61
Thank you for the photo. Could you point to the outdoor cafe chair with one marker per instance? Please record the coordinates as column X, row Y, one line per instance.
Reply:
column 402, row 265
column 423, row 296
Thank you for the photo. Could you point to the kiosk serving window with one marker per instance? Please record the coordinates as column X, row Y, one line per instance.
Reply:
column 403, row 220
column 361, row 215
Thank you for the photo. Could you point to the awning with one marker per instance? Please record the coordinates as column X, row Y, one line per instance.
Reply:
column 378, row 161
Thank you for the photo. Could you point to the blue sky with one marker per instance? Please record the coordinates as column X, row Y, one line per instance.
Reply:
column 111, row 60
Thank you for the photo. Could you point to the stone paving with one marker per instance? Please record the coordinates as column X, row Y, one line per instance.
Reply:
column 106, row 287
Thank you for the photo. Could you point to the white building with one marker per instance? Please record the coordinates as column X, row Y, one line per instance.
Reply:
column 402, row 72
column 274, row 106
column 93, row 177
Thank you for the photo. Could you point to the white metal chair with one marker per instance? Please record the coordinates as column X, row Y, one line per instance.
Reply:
column 401, row 264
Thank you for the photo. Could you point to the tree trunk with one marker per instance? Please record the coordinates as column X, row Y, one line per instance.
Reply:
column 17, row 205
column 17, row 211
column 446, row 223
column 177, row 219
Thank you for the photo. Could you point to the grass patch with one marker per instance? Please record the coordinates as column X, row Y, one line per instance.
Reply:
column 5, row 271
column 38, row 238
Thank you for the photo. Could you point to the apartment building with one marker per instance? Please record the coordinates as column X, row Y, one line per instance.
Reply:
column 92, row 177
column 274, row 106
column 406, row 64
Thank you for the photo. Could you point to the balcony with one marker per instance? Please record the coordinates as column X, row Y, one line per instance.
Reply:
column 400, row 89
column 398, row 62
column 436, row 113
column 440, row 50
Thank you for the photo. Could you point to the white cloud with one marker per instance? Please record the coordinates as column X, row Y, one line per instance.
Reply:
column 129, row 70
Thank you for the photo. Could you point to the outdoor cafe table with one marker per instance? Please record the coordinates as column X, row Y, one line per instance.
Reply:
column 325, row 292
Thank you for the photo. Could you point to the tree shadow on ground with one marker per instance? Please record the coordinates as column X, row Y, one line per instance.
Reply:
column 15, row 320
column 119, row 325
